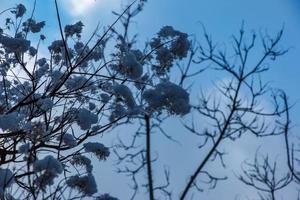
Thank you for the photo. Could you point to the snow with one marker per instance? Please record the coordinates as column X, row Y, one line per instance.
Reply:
column 37, row 130
column 118, row 110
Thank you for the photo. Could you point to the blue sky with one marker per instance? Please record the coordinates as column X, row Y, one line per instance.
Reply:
column 221, row 18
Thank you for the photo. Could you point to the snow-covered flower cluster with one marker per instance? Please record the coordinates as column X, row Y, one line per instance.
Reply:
column 42, row 69
column 44, row 104
column 32, row 51
column 24, row 148
column 11, row 121
column 20, row 10
column 85, row 184
column 37, row 131
column 33, row 26
column 123, row 92
column 81, row 160
column 50, row 168
column 79, row 83
column 67, row 139
column 167, row 95
column 14, row 45
column 106, row 197
column 125, row 104
column 4, row 67
column 101, row 151
column 56, row 46
column 170, row 44
column 85, row 118
column 81, row 50
column 130, row 65
column 6, row 180
column 74, row 29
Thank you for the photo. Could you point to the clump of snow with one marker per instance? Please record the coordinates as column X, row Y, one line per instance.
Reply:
column 79, row 47
column 125, row 103
column 101, row 151
column 84, row 184
column 167, row 95
column 41, row 61
column 97, row 53
column 82, row 50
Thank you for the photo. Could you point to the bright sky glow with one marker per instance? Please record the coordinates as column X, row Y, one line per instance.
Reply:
column 79, row 7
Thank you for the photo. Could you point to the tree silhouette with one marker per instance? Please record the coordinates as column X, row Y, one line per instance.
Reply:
column 52, row 105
